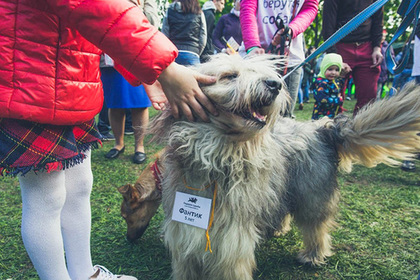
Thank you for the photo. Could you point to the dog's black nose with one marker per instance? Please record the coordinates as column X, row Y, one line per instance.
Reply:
column 274, row 86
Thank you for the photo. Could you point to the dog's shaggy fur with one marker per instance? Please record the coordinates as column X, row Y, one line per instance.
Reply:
column 268, row 168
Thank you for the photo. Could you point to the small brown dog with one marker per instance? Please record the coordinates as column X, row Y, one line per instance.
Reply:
column 142, row 200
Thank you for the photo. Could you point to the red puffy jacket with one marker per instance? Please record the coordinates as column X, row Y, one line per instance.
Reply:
column 49, row 55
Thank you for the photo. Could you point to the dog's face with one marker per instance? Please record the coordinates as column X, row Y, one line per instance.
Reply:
column 248, row 93
column 140, row 203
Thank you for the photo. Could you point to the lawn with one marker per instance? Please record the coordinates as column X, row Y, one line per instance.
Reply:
column 378, row 233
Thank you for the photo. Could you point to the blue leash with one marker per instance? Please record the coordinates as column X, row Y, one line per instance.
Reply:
column 410, row 13
column 407, row 7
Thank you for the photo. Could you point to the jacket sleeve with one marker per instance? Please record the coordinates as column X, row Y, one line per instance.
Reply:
column 329, row 20
column 112, row 25
column 304, row 18
column 202, row 38
column 377, row 28
column 249, row 25
column 218, row 33
column 150, row 11
column 165, row 25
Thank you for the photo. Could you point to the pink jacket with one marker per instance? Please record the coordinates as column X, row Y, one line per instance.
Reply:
column 250, row 27
column 49, row 55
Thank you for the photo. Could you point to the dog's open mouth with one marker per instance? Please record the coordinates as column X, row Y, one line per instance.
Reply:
column 253, row 115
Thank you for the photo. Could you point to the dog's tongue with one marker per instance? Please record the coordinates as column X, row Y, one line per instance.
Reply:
column 259, row 117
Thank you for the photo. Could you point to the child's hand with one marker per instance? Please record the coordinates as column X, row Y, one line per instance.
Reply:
column 156, row 95
column 180, row 85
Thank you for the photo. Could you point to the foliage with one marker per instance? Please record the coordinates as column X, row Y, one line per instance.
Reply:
column 378, row 236
column 392, row 21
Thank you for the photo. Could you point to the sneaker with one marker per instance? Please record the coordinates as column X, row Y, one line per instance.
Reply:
column 408, row 165
column 101, row 273
column 128, row 131
column 348, row 98
column 108, row 136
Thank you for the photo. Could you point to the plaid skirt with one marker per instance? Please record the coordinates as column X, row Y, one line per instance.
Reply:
column 26, row 146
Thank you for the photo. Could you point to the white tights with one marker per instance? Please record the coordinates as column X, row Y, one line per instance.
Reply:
column 56, row 217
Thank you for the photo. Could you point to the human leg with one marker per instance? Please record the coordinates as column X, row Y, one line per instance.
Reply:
column 293, row 83
column 103, row 122
column 306, row 86
column 365, row 78
column 300, row 92
column 365, row 88
column 117, row 119
column 43, row 197
column 76, row 219
column 140, row 123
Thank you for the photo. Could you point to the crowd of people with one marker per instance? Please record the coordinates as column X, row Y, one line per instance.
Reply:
column 54, row 70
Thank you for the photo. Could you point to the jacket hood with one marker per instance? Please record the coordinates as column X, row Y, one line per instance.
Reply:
column 329, row 60
column 209, row 5
column 176, row 6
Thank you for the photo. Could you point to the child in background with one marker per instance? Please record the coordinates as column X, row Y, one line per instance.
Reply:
column 327, row 87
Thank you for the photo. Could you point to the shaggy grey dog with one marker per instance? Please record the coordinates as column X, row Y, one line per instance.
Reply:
column 260, row 169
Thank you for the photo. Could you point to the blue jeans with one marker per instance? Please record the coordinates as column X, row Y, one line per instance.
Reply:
column 187, row 58
column 400, row 80
column 300, row 90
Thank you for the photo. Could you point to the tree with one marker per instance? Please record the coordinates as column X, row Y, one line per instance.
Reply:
column 392, row 21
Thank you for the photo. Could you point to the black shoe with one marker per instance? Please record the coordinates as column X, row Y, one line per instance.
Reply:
column 114, row 153
column 408, row 165
column 108, row 136
column 139, row 157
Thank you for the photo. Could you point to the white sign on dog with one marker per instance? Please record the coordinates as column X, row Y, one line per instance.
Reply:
column 191, row 209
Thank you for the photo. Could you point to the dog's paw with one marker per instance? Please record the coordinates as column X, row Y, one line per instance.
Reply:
column 282, row 230
column 314, row 258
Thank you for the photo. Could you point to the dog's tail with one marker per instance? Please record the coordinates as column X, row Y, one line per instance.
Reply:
column 382, row 132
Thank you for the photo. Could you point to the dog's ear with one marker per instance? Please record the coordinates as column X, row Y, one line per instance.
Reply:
column 129, row 193
column 147, row 193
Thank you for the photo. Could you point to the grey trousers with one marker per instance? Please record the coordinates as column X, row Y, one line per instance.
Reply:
column 293, row 84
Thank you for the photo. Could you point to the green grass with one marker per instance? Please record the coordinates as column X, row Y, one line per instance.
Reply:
column 378, row 233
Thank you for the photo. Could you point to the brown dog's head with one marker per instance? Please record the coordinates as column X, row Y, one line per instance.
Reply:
column 140, row 203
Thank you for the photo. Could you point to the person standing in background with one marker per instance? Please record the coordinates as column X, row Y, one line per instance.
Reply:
column 383, row 75
column 258, row 23
column 228, row 27
column 121, row 97
column 361, row 49
column 209, row 9
column 149, row 8
column 185, row 25
column 409, row 165
column 308, row 75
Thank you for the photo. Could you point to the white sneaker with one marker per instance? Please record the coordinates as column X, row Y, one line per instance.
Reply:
column 101, row 273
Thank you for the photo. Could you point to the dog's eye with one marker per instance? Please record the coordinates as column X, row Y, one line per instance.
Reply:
column 229, row 76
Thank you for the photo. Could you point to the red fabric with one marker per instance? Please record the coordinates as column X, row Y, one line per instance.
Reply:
column 27, row 146
column 359, row 58
column 157, row 174
column 49, row 55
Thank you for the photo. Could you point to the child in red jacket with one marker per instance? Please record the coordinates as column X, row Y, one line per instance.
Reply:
column 51, row 92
